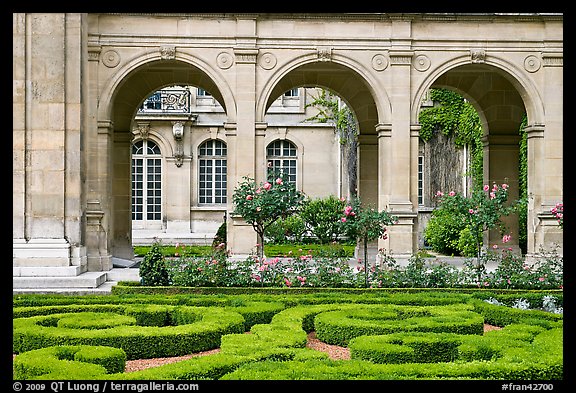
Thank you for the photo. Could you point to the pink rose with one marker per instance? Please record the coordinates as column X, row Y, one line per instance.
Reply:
column 267, row 186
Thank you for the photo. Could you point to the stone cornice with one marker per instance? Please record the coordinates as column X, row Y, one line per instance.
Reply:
column 448, row 17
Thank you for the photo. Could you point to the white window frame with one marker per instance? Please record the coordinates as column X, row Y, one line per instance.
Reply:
column 207, row 193
column 281, row 146
column 146, row 191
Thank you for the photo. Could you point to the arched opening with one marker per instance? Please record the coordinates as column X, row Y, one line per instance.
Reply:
column 495, row 96
column 178, row 106
column 353, row 91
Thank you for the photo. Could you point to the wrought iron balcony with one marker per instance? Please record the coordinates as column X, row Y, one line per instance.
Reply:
column 167, row 101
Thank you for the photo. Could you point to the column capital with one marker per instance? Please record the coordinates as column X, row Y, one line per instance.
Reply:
column 534, row 131
column 230, row 129
column 500, row 140
column 384, row 130
column 261, row 127
column 415, row 130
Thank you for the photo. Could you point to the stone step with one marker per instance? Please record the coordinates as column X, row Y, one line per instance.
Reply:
column 123, row 274
column 42, row 271
column 84, row 280
column 104, row 289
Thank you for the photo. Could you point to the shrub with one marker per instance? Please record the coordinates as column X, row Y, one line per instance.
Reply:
column 286, row 230
column 442, row 233
column 153, row 270
column 322, row 217
column 220, row 238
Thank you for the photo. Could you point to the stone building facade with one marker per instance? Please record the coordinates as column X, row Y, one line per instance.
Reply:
column 188, row 200
column 79, row 79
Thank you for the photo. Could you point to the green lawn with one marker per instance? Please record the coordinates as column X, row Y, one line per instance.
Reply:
column 270, row 250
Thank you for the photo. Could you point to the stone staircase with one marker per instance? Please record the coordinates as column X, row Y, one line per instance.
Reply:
column 67, row 280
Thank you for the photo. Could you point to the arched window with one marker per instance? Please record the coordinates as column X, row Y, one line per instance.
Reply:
column 146, row 182
column 212, row 172
column 281, row 157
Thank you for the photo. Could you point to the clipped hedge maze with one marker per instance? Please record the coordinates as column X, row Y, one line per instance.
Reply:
column 393, row 336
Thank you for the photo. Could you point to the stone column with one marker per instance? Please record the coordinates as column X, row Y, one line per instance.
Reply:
column 48, row 84
column 543, row 231
column 260, row 154
column 399, row 158
column 96, row 239
column 549, row 234
column 368, row 169
column 177, row 178
column 241, row 238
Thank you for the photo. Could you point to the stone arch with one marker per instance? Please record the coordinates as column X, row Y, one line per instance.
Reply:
column 373, row 94
column 120, row 99
column 516, row 94
column 208, row 79
column 524, row 86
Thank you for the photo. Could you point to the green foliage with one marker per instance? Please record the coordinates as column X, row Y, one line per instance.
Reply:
column 261, row 205
column 365, row 223
column 174, row 250
column 330, row 110
column 467, row 243
column 523, row 186
column 546, row 271
column 453, row 115
column 69, row 362
column 482, row 211
column 442, row 333
column 442, row 233
column 322, row 217
column 220, row 239
column 153, row 270
column 289, row 230
column 297, row 250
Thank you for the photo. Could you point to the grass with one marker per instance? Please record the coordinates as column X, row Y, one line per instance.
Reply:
column 270, row 250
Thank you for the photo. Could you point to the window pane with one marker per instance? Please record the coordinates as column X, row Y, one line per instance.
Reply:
column 212, row 169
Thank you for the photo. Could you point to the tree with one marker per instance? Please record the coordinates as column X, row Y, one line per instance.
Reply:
column 366, row 224
column 261, row 205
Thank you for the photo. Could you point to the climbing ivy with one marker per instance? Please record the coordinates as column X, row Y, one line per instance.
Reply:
column 523, row 185
column 454, row 116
